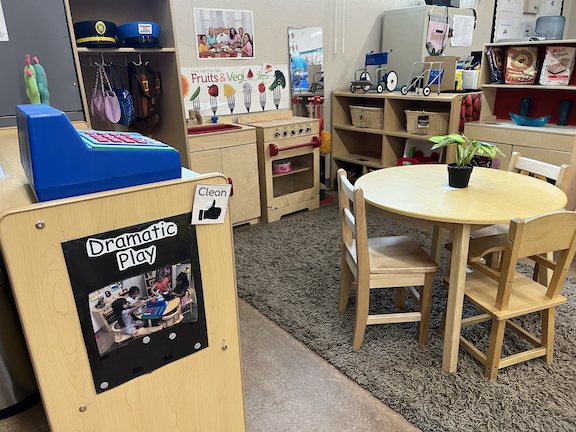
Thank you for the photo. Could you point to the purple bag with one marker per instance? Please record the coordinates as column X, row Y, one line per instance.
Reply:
column 104, row 104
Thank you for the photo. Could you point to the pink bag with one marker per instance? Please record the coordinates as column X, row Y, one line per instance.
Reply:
column 104, row 104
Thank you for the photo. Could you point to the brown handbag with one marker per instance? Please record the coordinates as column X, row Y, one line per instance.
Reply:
column 145, row 86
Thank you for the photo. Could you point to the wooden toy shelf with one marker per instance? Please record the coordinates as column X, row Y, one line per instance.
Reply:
column 373, row 148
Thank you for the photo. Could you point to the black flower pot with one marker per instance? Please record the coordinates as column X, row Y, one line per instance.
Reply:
column 459, row 177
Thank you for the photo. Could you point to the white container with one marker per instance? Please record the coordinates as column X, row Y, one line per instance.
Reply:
column 470, row 79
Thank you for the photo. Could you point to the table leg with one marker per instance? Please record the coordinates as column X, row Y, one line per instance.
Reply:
column 437, row 237
column 455, row 297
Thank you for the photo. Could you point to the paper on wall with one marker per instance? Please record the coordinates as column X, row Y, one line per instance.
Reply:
column 507, row 5
column 3, row 28
column 528, row 29
column 463, row 30
column 504, row 30
column 553, row 6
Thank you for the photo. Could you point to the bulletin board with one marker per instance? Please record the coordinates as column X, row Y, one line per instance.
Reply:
column 199, row 391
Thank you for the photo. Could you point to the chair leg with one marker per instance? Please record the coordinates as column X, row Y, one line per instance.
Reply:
column 362, row 307
column 547, row 338
column 442, row 323
column 495, row 349
column 346, row 279
column 493, row 260
column 425, row 304
column 400, row 296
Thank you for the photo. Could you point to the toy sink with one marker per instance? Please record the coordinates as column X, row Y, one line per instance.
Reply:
column 218, row 127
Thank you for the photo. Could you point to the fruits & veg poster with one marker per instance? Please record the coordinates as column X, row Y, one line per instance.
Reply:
column 235, row 90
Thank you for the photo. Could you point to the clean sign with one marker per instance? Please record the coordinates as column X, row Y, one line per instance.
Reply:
column 210, row 203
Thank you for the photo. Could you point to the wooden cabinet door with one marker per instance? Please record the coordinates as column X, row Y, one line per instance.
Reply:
column 240, row 164
column 206, row 161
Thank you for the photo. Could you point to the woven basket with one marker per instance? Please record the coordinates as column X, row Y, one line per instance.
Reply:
column 368, row 117
column 427, row 123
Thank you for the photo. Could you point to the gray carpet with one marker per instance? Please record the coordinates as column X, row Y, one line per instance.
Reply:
column 289, row 270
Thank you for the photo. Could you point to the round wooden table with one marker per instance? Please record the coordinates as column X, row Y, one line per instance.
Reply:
column 492, row 197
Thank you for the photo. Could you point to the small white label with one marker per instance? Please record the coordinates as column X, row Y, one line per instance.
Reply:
column 210, row 203
column 145, row 29
column 423, row 121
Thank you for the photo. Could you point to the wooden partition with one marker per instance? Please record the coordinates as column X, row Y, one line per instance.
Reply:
column 199, row 392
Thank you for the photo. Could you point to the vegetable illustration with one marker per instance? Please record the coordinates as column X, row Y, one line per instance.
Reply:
column 195, row 94
column 279, row 80
column 247, row 90
column 262, row 90
column 249, row 74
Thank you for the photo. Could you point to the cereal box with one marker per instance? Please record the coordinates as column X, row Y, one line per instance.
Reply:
column 521, row 65
column 557, row 65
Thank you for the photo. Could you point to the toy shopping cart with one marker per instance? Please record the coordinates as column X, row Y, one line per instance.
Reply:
column 363, row 80
column 428, row 74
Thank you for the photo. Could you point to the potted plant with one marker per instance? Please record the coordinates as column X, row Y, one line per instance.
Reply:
column 465, row 149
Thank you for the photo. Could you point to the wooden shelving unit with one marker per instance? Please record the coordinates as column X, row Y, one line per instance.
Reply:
column 549, row 143
column 172, row 127
column 373, row 148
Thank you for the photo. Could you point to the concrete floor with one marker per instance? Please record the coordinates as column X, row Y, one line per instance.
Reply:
column 287, row 388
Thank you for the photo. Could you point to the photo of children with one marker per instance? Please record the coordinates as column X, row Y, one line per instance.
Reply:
column 141, row 305
column 224, row 33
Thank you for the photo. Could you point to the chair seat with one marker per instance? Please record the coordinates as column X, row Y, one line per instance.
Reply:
column 393, row 255
column 526, row 296
column 482, row 246
column 489, row 231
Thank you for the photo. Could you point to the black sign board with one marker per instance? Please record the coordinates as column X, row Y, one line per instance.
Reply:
column 138, row 291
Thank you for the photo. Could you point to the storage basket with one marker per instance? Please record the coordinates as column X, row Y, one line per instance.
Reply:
column 427, row 123
column 368, row 117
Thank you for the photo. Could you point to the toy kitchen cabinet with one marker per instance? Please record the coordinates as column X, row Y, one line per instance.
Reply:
column 229, row 149
column 288, row 162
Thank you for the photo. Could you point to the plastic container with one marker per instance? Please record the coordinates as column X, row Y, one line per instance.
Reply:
column 550, row 27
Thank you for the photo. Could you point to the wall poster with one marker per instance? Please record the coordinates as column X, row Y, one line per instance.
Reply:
column 235, row 90
column 138, row 292
column 3, row 29
column 224, row 33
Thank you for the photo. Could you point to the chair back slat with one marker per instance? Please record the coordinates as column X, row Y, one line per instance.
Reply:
column 353, row 219
column 560, row 174
column 350, row 221
column 549, row 232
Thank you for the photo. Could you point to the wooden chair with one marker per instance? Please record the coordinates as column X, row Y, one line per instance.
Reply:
column 389, row 262
column 506, row 294
column 497, row 233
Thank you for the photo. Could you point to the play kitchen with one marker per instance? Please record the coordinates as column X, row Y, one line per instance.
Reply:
column 288, row 162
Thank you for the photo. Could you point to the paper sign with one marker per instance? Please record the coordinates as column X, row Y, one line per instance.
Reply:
column 210, row 203
column 553, row 6
column 463, row 30
column 528, row 28
column 504, row 30
column 3, row 29
column 507, row 5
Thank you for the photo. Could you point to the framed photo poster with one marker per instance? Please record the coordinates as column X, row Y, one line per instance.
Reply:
column 224, row 33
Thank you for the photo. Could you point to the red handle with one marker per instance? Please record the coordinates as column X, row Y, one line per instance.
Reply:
column 231, row 184
column 274, row 148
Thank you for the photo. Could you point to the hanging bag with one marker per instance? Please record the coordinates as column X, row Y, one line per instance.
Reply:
column 97, row 98
column 145, row 87
column 111, row 105
column 124, row 99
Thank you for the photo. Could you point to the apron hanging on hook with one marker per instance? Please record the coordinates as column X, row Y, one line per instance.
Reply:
column 438, row 29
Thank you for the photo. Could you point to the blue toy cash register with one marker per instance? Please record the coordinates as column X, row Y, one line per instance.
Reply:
column 61, row 161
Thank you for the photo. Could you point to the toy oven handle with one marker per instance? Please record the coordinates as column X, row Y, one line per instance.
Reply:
column 274, row 148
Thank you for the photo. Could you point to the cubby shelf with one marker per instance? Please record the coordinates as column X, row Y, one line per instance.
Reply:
column 550, row 143
column 373, row 148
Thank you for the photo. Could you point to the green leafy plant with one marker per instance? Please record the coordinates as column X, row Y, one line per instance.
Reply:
column 465, row 148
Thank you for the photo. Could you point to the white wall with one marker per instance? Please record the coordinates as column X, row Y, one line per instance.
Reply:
column 351, row 28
